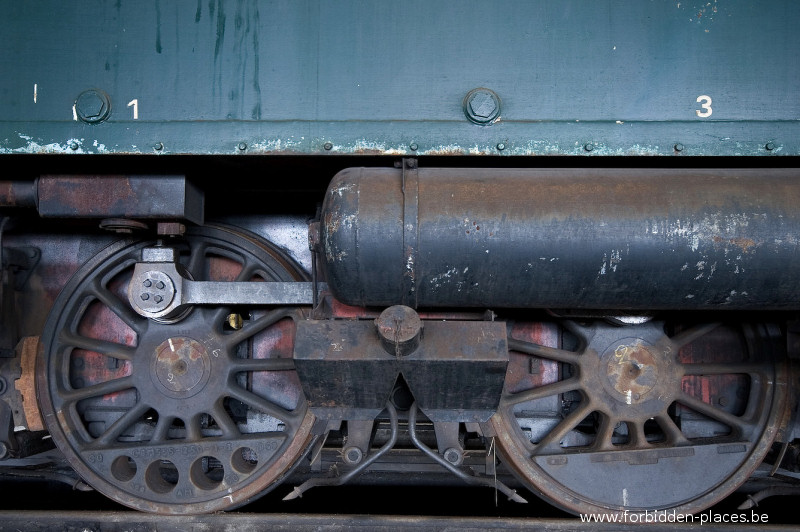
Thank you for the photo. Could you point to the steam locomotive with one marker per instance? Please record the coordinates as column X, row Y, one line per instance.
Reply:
column 546, row 248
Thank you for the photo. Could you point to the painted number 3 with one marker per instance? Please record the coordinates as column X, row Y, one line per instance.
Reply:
column 705, row 104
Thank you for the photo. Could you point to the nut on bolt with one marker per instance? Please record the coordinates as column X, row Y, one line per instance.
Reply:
column 92, row 106
column 453, row 456
column 353, row 455
column 482, row 106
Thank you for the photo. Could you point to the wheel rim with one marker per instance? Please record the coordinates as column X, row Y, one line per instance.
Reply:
column 187, row 417
column 643, row 425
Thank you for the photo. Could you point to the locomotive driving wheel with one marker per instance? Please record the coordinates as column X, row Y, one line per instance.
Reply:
column 195, row 414
column 636, row 420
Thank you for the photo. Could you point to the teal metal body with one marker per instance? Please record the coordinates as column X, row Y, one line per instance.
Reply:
column 670, row 78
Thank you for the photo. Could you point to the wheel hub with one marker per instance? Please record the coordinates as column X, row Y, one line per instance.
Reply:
column 181, row 367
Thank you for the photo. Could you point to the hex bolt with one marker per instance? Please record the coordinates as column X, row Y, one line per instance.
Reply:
column 158, row 299
column 328, row 146
column 145, row 296
column 353, row 455
column 147, row 283
column 92, row 106
column 453, row 455
column 160, row 285
column 770, row 146
column 482, row 106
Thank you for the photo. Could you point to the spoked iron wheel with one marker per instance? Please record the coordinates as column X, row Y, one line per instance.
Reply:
column 196, row 414
column 637, row 420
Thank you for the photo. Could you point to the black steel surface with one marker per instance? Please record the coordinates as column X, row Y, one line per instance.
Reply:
column 563, row 238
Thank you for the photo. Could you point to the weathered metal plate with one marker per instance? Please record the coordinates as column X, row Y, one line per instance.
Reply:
column 309, row 77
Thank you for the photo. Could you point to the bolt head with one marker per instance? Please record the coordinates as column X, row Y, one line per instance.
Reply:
column 147, row 283
column 452, row 455
column 770, row 146
column 145, row 296
column 501, row 146
column 679, row 147
column 92, row 106
column 327, row 146
column 242, row 146
column 413, row 147
column 482, row 106
column 588, row 146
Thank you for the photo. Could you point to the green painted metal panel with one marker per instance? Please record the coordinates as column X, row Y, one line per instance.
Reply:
column 573, row 77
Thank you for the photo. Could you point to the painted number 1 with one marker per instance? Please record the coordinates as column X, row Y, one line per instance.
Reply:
column 705, row 103
column 135, row 104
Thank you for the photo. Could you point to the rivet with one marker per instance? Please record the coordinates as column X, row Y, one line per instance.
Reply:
column 770, row 146
column 328, row 146
column 158, row 146
column 242, row 146
column 73, row 146
column 501, row 146
column 413, row 146
column 679, row 147
column 588, row 146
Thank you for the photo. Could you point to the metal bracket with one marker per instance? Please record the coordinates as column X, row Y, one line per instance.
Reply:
column 158, row 289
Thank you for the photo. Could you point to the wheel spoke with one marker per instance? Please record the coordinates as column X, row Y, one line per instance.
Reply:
column 121, row 308
column 99, row 389
column 224, row 422
column 561, row 430
column 553, row 388
column 259, row 403
column 118, row 427
column 270, row 318
column 605, row 432
column 688, row 336
column 713, row 412
column 638, row 439
column 194, row 432
column 671, row 431
column 552, row 353
column 196, row 259
column 161, row 432
column 104, row 347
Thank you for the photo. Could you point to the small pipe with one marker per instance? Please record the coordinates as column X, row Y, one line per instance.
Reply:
column 463, row 475
column 338, row 481
column 753, row 500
